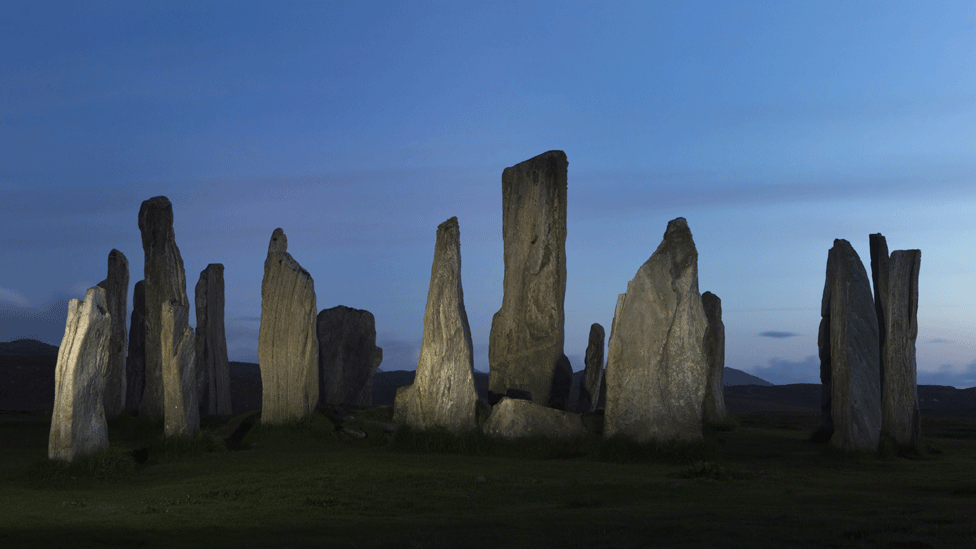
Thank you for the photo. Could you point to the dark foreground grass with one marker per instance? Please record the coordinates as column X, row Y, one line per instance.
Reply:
column 756, row 483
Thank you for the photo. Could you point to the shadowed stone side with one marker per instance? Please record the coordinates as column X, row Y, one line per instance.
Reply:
column 182, row 410
column 850, row 368
column 443, row 392
column 589, row 391
column 135, row 363
column 656, row 364
column 288, row 348
column 211, row 345
column 78, row 421
column 899, row 404
column 116, row 287
column 516, row 418
column 714, row 407
column 879, row 279
column 526, row 340
column 348, row 356
column 165, row 282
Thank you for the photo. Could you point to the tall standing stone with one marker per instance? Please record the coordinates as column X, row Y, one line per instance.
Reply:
column 135, row 364
column 526, row 341
column 589, row 391
column 656, row 364
column 211, row 345
column 181, row 408
column 443, row 391
column 348, row 356
column 78, row 421
column 165, row 282
column 899, row 393
column 850, row 359
column 288, row 349
column 714, row 342
column 879, row 278
column 116, row 287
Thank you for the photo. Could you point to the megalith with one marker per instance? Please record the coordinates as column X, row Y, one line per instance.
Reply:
column 526, row 340
column 850, row 359
column 443, row 392
column 899, row 391
column 116, row 287
column 879, row 279
column 213, row 367
column 589, row 390
column 513, row 418
column 135, row 362
column 714, row 342
column 288, row 349
column 165, row 282
column 656, row 365
column 78, row 423
column 348, row 356
column 181, row 408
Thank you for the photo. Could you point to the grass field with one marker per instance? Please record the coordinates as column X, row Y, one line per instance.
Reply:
column 755, row 484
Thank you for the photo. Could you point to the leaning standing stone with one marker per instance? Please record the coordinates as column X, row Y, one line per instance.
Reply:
column 850, row 361
column 135, row 363
column 589, row 391
column 526, row 341
column 348, row 356
column 443, row 391
column 656, row 365
column 116, row 290
column 288, row 349
column 714, row 342
column 165, row 282
column 182, row 411
column 78, row 421
column 899, row 404
column 211, row 345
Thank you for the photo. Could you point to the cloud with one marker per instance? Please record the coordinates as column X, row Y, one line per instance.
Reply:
column 13, row 298
column 947, row 374
column 939, row 340
column 781, row 371
column 778, row 335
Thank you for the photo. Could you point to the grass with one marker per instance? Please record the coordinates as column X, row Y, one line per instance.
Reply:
column 760, row 483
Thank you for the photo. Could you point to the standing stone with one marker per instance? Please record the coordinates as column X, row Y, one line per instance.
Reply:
column 899, row 404
column 116, row 289
column 181, row 408
column 288, row 349
column 526, row 341
column 443, row 391
column 879, row 278
column 714, row 343
column 850, row 359
column 348, row 356
column 78, row 421
column 589, row 390
column 165, row 282
column 211, row 345
column 656, row 365
column 135, row 365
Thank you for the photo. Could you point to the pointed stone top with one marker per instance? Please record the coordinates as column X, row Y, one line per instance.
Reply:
column 449, row 225
column 279, row 242
column 678, row 241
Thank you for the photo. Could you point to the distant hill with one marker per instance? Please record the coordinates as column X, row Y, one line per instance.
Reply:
column 738, row 377
column 27, row 347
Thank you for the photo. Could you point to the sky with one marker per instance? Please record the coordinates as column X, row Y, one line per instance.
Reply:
column 357, row 127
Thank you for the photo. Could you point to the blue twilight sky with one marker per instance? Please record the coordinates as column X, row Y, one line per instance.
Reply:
column 773, row 127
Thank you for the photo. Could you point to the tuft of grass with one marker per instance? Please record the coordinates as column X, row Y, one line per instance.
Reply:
column 170, row 448
column 731, row 423
column 709, row 470
column 104, row 464
column 620, row 449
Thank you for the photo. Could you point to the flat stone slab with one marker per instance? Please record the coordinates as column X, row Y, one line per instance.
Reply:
column 516, row 418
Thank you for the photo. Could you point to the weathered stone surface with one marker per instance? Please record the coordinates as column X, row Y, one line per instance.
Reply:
column 348, row 356
column 135, row 364
column 656, row 364
column 879, row 278
column 589, row 390
column 850, row 361
column 78, row 423
column 288, row 349
column 443, row 392
column 517, row 418
column 116, row 287
column 211, row 344
column 526, row 340
column 165, row 282
column 714, row 342
column 181, row 408
column 899, row 403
